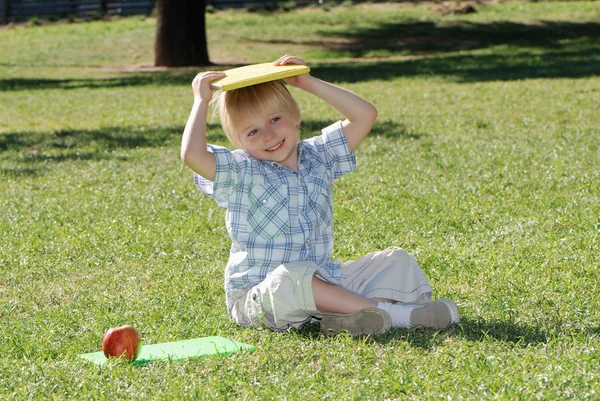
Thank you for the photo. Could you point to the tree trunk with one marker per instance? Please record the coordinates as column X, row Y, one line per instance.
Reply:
column 104, row 7
column 180, row 33
column 8, row 11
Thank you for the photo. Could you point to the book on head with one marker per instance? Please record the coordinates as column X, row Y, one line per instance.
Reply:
column 257, row 74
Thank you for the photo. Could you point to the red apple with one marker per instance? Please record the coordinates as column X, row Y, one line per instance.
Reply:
column 122, row 341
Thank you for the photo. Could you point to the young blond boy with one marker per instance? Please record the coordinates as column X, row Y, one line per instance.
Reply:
column 278, row 195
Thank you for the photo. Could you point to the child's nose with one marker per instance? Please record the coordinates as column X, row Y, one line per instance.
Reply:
column 269, row 133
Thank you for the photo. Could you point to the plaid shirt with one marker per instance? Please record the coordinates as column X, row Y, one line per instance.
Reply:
column 276, row 215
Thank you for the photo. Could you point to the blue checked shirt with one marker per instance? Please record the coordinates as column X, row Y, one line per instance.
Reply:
column 276, row 215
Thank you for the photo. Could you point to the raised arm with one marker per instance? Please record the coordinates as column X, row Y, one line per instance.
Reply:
column 193, row 142
column 360, row 114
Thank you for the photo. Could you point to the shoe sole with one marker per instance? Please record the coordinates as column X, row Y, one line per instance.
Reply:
column 454, row 314
column 366, row 321
column 435, row 314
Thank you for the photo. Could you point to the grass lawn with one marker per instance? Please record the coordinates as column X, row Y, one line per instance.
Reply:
column 484, row 164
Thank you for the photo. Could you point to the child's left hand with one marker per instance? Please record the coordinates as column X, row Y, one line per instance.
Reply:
column 299, row 80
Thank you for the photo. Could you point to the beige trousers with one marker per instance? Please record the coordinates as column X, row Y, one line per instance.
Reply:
column 285, row 298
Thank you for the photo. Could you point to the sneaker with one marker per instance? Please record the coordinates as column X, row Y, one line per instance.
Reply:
column 366, row 321
column 437, row 314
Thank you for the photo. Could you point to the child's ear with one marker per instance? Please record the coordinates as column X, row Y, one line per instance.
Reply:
column 297, row 123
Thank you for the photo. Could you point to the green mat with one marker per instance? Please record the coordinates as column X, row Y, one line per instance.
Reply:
column 195, row 348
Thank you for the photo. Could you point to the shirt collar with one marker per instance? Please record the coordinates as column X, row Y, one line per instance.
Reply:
column 274, row 169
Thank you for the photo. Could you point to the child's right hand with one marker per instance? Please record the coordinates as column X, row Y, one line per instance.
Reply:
column 201, row 84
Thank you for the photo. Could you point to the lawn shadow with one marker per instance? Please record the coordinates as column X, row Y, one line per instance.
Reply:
column 9, row 172
column 432, row 37
column 106, row 138
column 518, row 334
column 462, row 51
column 33, row 152
column 521, row 335
column 75, row 140
column 466, row 68
column 125, row 78
column 157, row 78
column 26, row 149
column 480, row 330
column 385, row 128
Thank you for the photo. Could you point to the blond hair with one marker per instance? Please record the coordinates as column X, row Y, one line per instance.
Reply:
column 237, row 107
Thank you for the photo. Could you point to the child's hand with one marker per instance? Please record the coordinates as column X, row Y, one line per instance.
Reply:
column 299, row 80
column 201, row 84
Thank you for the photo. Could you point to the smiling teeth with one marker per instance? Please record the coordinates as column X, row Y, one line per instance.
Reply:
column 275, row 147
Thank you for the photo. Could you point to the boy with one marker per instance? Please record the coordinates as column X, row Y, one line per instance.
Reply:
column 277, row 191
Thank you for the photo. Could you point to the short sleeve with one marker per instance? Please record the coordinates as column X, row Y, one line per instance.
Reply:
column 333, row 147
column 227, row 175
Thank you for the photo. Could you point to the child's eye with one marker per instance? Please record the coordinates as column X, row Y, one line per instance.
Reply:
column 275, row 119
column 253, row 132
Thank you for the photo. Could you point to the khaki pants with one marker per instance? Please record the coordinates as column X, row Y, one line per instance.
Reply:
column 285, row 298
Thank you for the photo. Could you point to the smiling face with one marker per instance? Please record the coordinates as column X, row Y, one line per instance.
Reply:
column 263, row 120
column 272, row 136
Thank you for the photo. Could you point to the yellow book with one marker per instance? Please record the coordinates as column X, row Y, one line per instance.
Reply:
column 257, row 74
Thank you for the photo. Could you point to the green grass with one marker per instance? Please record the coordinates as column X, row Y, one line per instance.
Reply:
column 484, row 164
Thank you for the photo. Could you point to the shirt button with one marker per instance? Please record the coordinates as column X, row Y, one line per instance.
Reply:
column 308, row 241
column 265, row 201
column 254, row 297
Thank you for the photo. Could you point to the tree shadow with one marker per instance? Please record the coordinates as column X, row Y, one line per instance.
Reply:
column 170, row 77
column 18, row 172
column 31, row 153
column 463, row 51
column 156, row 78
column 423, row 38
column 90, row 144
column 386, row 129
column 506, row 51
column 42, row 149
column 75, row 140
column 106, row 138
column 464, row 68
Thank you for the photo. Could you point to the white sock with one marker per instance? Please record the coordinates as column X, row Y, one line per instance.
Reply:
column 400, row 313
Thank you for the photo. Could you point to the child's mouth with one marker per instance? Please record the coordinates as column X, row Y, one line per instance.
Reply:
column 274, row 148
